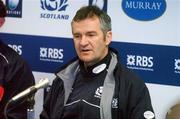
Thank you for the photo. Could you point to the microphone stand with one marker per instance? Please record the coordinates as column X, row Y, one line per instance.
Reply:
column 30, row 106
column 5, row 109
column 30, row 109
column 27, row 95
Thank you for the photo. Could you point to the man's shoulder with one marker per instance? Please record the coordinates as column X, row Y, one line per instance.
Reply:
column 129, row 76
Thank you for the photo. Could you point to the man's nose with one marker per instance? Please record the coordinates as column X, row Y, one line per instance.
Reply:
column 84, row 41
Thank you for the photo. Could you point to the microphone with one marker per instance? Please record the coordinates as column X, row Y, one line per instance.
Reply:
column 41, row 84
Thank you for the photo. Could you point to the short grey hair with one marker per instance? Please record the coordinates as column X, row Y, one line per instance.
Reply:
column 94, row 11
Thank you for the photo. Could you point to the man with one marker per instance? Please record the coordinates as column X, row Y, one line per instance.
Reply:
column 15, row 76
column 95, row 85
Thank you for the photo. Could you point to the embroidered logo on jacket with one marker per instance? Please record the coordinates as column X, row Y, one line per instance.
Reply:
column 98, row 92
column 114, row 103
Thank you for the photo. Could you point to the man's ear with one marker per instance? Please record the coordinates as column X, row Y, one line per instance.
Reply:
column 108, row 37
column 2, row 20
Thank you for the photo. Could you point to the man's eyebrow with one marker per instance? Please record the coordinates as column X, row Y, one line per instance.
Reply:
column 85, row 32
column 91, row 32
column 77, row 33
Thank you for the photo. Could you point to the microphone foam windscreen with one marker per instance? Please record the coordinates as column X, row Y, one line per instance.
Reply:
column 1, row 92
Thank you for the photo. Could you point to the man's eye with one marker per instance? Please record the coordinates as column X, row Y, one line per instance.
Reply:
column 76, row 36
column 91, row 35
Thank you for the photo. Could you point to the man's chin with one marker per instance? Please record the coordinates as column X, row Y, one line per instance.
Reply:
column 86, row 60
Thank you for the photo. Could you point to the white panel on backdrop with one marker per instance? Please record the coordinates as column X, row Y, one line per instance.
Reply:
column 32, row 23
column 164, row 30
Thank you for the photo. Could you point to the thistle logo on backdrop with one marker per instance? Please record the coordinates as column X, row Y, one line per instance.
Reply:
column 144, row 10
column 140, row 62
column 51, row 54
column 54, row 9
column 177, row 65
column 17, row 48
column 14, row 8
column 102, row 4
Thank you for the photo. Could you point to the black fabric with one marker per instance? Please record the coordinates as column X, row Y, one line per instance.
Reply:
column 84, row 101
column 131, row 98
column 132, row 94
column 15, row 76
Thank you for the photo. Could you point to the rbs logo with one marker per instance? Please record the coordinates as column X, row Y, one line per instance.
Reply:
column 52, row 54
column 177, row 64
column 17, row 48
column 140, row 61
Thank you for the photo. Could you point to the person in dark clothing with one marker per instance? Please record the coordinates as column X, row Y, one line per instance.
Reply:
column 95, row 85
column 15, row 76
